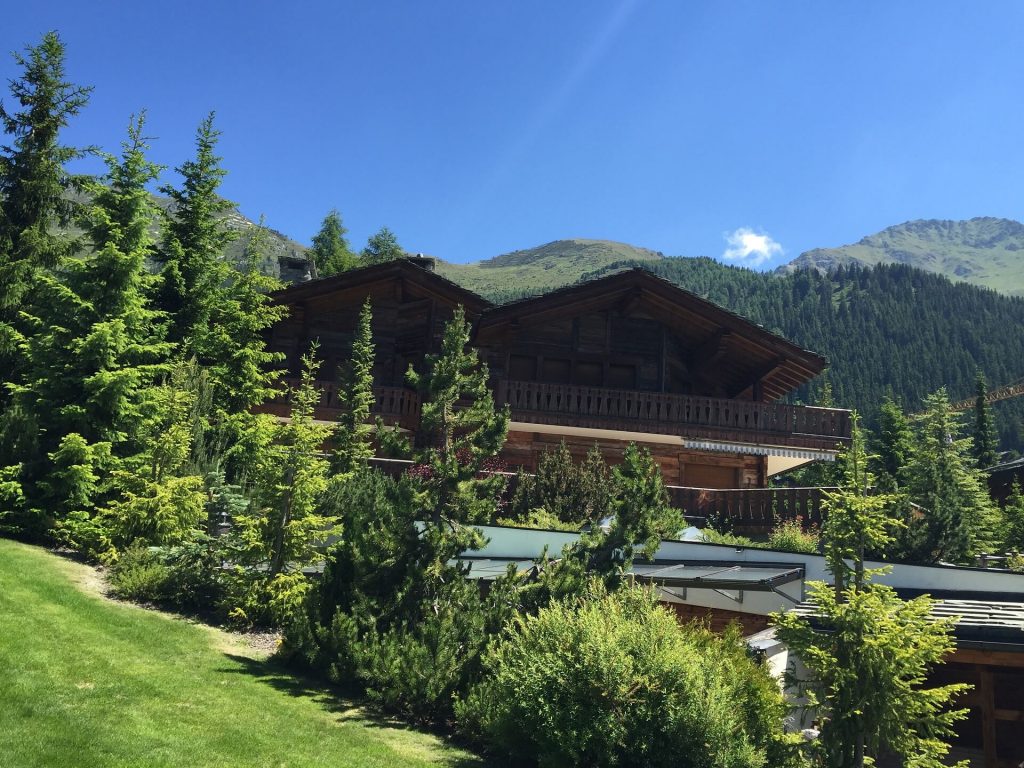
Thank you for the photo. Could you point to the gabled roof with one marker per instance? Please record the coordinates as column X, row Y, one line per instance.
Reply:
column 785, row 365
column 400, row 269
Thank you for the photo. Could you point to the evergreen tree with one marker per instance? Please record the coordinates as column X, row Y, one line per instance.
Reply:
column 869, row 652
column 283, row 528
column 461, row 430
column 565, row 491
column 892, row 446
column 382, row 247
column 985, row 443
column 330, row 252
column 958, row 518
column 33, row 187
column 352, row 445
column 194, row 238
column 643, row 517
column 1014, row 512
column 234, row 344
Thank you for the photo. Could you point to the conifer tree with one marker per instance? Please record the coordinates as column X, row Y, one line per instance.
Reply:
column 958, row 518
column 194, row 238
column 985, row 443
column 283, row 528
column 234, row 344
column 352, row 446
column 382, row 247
column 92, row 358
column 330, row 252
column 892, row 446
column 869, row 652
column 33, row 199
column 461, row 431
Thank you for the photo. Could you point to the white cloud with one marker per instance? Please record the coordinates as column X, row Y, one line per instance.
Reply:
column 750, row 249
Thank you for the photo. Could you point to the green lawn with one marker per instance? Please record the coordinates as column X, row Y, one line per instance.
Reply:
column 85, row 681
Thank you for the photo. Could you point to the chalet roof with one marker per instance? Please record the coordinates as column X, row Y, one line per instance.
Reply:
column 407, row 269
column 786, row 366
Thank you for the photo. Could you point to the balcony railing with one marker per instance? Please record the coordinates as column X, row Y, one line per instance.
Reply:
column 685, row 415
column 395, row 405
column 750, row 510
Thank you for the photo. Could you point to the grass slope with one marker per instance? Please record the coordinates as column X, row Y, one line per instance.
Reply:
column 542, row 268
column 89, row 682
column 984, row 251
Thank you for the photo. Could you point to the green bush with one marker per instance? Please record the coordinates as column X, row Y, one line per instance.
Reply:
column 790, row 536
column 139, row 574
column 614, row 680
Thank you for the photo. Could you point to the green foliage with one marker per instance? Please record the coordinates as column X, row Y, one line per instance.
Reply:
column 1014, row 514
column 283, row 528
column 563, row 491
column 958, row 519
column 241, row 370
column 381, row 247
column 140, row 576
column 352, row 438
column 790, row 536
column 713, row 536
column 194, row 238
column 614, row 680
column 540, row 519
column 642, row 518
column 869, row 652
column 330, row 252
column 33, row 183
column 985, row 442
column 892, row 445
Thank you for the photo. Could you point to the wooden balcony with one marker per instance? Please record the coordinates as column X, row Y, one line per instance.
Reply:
column 687, row 416
column 395, row 405
column 750, row 510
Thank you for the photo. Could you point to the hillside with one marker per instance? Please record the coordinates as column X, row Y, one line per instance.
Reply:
column 984, row 251
column 534, row 270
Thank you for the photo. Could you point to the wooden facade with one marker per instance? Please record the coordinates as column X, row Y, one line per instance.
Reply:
column 626, row 358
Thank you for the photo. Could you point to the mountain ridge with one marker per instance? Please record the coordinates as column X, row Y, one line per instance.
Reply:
column 986, row 251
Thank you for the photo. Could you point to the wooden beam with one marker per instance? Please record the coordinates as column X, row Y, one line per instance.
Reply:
column 988, row 717
column 987, row 658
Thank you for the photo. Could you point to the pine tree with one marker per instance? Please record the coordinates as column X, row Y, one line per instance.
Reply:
column 330, row 252
column 33, row 199
column 958, row 519
column 461, row 431
column 382, row 247
column 893, row 446
column 194, row 238
column 283, row 528
column 352, row 445
column 234, row 343
column 643, row 517
column 985, row 442
column 869, row 652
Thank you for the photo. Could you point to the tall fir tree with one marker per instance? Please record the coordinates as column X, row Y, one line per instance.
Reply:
column 330, row 252
column 194, row 239
column 352, row 439
column 892, row 446
column 869, row 652
column 958, row 519
column 986, row 444
column 34, row 182
column 381, row 247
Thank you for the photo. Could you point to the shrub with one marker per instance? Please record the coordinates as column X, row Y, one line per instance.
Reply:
column 140, row 575
column 790, row 536
column 712, row 536
column 612, row 679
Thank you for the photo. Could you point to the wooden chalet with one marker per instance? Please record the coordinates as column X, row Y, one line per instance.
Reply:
column 625, row 358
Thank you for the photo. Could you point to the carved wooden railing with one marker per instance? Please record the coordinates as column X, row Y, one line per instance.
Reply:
column 395, row 405
column 686, row 415
column 750, row 510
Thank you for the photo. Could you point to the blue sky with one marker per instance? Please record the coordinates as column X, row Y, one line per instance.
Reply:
column 747, row 130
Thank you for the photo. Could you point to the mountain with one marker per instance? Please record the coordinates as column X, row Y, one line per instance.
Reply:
column 984, row 251
column 534, row 270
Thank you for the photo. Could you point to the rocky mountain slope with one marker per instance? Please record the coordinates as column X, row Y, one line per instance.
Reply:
column 984, row 251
